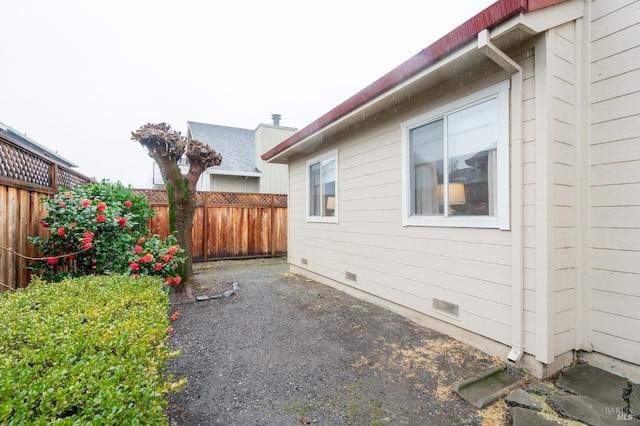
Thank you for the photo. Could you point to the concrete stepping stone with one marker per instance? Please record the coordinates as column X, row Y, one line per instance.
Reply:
column 634, row 399
column 543, row 389
column 590, row 411
column 595, row 383
column 524, row 417
column 521, row 398
column 487, row 387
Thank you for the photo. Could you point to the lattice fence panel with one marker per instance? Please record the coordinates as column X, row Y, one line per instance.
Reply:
column 69, row 179
column 153, row 196
column 18, row 164
column 158, row 196
column 200, row 197
column 239, row 199
column 21, row 164
column 280, row 200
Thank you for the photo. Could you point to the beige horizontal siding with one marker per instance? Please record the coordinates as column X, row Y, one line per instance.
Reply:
column 612, row 66
column 624, row 283
column 615, row 217
column 616, row 151
column 600, row 9
column 616, row 260
column 564, row 188
column 614, row 193
column 612, row 109
column 616, row 43
column 624, row 172
column 564, row 279
column 615, row 130
column 608, row 21
column 617, row 195
column 617, row 86
column 564, row 342
column 529, row 201
column 407, row 265
column 616, row 238
column 614, row 345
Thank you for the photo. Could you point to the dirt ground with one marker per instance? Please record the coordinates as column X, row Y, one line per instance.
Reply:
column 286, row 350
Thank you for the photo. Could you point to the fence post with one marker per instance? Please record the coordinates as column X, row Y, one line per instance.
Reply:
column 147, row 193
column 205, row 226
column 273, row 221
column 54, row 177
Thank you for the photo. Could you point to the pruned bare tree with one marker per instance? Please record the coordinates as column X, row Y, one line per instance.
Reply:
column 166, row 147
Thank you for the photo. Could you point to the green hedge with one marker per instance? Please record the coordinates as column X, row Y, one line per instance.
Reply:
column 89, row 350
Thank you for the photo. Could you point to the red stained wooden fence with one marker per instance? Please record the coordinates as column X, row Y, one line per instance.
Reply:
column 229, row 225
column 25, row 177
column 226, row 225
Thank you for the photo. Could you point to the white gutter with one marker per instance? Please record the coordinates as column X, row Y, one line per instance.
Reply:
column 214, row 171
column 517, row 251
column 184, row 168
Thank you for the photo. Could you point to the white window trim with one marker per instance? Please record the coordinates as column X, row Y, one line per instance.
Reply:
column 315, row 160
column 499, row 91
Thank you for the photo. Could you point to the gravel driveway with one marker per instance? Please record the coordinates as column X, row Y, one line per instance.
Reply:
column 285, row 350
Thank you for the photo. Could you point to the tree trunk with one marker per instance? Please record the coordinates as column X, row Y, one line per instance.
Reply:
column 181, row 194
column 166, row 147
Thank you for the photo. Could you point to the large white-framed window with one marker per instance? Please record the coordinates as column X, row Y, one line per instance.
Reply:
column 322, row 188
column 455, row 163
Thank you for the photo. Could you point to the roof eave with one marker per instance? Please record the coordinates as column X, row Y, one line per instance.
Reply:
column 460, row 36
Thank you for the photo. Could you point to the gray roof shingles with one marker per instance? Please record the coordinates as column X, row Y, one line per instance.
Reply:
column 236, row 145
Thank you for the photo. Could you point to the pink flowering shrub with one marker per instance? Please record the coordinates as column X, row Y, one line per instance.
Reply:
column 101, row 229
column 153, row 256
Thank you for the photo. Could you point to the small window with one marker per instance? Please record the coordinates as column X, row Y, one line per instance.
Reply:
column 322, row 178
column 456, row 163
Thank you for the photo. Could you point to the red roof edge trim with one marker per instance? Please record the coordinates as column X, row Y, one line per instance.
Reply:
column 539, row 4
column 488, row 18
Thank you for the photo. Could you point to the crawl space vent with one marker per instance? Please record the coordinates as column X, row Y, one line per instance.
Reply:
column 446, row 308
column 350, row 276
column 304, row 261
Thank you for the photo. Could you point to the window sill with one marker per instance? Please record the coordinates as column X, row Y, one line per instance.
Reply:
column 454, row 221
column 320, row 219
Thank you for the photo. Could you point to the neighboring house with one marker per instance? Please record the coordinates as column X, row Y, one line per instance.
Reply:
column 33, row 145
column 489, row 187
column 242, row 169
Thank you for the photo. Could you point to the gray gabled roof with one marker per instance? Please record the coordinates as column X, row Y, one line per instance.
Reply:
column 236, row 145
column 23, row 139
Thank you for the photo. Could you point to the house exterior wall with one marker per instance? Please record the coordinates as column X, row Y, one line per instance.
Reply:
column 564, row 188
column 274, row 178
column 225, row 183
column 580, row 203
column 529, row 196
column 614, row 186
column 408, row 265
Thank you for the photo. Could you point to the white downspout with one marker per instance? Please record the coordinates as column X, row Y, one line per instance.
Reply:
column 517, row 269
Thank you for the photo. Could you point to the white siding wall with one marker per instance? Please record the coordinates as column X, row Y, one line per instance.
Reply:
column 564, row 188
column 581, row 204
column 615, row 178
column 274, row 178
column 529, row 203
column 407, row 265
column 224, row 183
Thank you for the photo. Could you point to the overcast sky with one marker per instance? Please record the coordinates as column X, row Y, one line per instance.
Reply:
column 79, row 76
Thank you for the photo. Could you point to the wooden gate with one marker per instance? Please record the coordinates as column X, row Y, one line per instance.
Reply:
column 229, row 225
